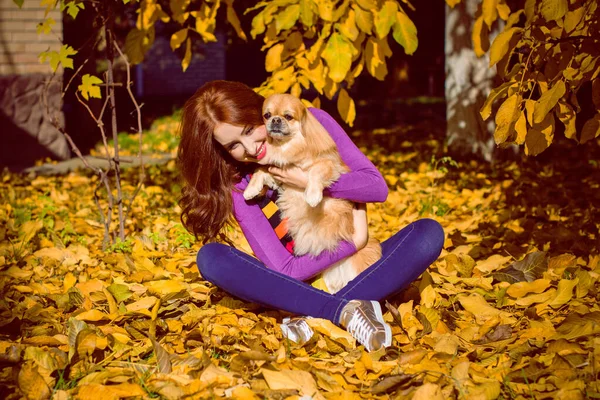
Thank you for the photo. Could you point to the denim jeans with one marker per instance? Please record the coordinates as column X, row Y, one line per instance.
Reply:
column 405, row 256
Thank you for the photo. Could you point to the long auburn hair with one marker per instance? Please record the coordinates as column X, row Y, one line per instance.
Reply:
column 208, row 170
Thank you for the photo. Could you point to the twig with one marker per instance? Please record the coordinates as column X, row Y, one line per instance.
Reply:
column 138, row 110
column 113, row 109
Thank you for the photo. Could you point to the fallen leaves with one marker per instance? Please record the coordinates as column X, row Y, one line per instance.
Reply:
column 509, row 309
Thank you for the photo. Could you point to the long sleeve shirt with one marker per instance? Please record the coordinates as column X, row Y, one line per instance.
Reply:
column 363, row 184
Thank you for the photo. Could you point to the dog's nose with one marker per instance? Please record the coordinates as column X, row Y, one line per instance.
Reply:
column 276, row 121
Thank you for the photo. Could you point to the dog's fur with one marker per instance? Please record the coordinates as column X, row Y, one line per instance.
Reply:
column 315, row 223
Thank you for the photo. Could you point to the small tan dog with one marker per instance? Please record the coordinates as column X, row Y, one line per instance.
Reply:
column 315, row 223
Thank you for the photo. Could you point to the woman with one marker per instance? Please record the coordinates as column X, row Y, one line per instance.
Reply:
column 223, row 138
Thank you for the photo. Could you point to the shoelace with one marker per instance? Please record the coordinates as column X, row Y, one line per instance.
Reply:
column 360, row 328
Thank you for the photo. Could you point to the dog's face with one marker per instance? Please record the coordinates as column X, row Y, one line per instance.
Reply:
column 283, row 115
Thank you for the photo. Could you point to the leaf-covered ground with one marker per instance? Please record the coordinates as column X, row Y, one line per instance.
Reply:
column 510, row 309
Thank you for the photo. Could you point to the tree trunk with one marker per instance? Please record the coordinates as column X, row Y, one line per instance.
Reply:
column 468, row 83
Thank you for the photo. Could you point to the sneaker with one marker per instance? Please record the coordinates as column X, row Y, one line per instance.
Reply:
column 363, row 320
column 296, row 329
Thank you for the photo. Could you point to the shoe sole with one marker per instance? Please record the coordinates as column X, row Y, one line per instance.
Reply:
column 386, row 326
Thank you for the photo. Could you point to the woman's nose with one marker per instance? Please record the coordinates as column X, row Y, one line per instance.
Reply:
column 249, row 145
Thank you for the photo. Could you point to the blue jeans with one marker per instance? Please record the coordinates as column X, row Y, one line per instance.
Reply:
column 405, row 256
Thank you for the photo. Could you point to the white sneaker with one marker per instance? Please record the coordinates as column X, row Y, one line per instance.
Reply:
column 296, row 329
column 363, row 319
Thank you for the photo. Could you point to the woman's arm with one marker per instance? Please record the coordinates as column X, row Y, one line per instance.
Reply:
column 364, row 183
column 270, row 251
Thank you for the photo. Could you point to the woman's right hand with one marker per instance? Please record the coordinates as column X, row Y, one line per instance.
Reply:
column 361, row 231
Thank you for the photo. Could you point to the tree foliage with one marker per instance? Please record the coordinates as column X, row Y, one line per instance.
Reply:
column 547, row 52
column 320, row 44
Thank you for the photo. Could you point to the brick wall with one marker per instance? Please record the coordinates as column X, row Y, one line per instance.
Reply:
column 20, row 44
column 26, row 129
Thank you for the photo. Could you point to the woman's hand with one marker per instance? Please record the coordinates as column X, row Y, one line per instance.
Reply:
column 293, row 176
column 361, row 231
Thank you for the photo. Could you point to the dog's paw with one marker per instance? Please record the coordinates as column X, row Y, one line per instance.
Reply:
column 313, row 196
column 251, row 192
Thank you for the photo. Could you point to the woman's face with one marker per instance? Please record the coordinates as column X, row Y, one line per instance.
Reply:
column 244, row 143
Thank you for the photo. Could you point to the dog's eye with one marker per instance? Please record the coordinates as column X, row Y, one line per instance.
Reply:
column 288, row 117
column 267, row 115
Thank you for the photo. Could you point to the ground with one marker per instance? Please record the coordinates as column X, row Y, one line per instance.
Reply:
column 509, row 310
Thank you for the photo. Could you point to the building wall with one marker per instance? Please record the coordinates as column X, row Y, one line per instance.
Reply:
column 28, row 100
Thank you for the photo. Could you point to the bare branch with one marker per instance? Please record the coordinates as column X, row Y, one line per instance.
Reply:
column 142, row 175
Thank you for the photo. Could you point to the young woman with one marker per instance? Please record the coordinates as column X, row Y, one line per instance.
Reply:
column 223, row 138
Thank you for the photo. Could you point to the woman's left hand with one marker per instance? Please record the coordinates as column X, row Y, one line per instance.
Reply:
column 293, row 176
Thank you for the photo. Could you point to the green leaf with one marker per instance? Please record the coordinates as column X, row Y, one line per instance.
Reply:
column 338, row 56
column 137, row 43
column 89, row 88
column 287, row 18
column 547, row 101
column 533, row 265
column 405, row 33
column 509, row 274
column 385, row 18
column 19, row 3
column 500, row 46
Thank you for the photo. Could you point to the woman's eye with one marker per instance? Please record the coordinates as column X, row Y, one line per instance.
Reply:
column 267, row 115
column 288, row 117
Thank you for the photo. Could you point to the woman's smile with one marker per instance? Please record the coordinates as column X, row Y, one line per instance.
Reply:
column 245, row 144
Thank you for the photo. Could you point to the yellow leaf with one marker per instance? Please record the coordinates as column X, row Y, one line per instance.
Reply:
column 547, row 101
column 364, row 19
column 287, row 18
column 573, row 19
column 385, row 18
column 273, row 57
column 482, row 311
column 31, row 383
column 495, row 93
column 178, row 37
column 520, row 289
column 428, row 391
column 540, row 136
column 348, row 27
column 500, row 46
column 489, row 11
column 233, row 19
column 307, row 12
column 503, row 11
column 214, row 375
column 405, row 33
column 338, row 55
column 299, row 380
column 282, row 80
column 554, row 9
column 521, row 128
column 536, row 298
column 346, row 107
column 492, row 263
column 187, row 58
column 452, row 3
column 481, row 41
column 591, row 129
column 448, row 343
column 166, row 286
column 92, row 315
column 507, row 114
column 29, row 229
column 375, row 53
column 95, row 391
column 564, row 292
column 143, row 304
column 328, row 328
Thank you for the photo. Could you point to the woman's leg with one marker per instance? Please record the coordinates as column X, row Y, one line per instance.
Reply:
column 247, row 278
column 406, row 255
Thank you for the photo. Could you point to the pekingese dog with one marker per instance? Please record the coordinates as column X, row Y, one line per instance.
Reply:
column 316, row 223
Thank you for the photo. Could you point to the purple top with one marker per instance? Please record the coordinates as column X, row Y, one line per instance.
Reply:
column 363, row 184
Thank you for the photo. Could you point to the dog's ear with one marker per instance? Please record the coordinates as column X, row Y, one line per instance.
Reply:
column 317, row 138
